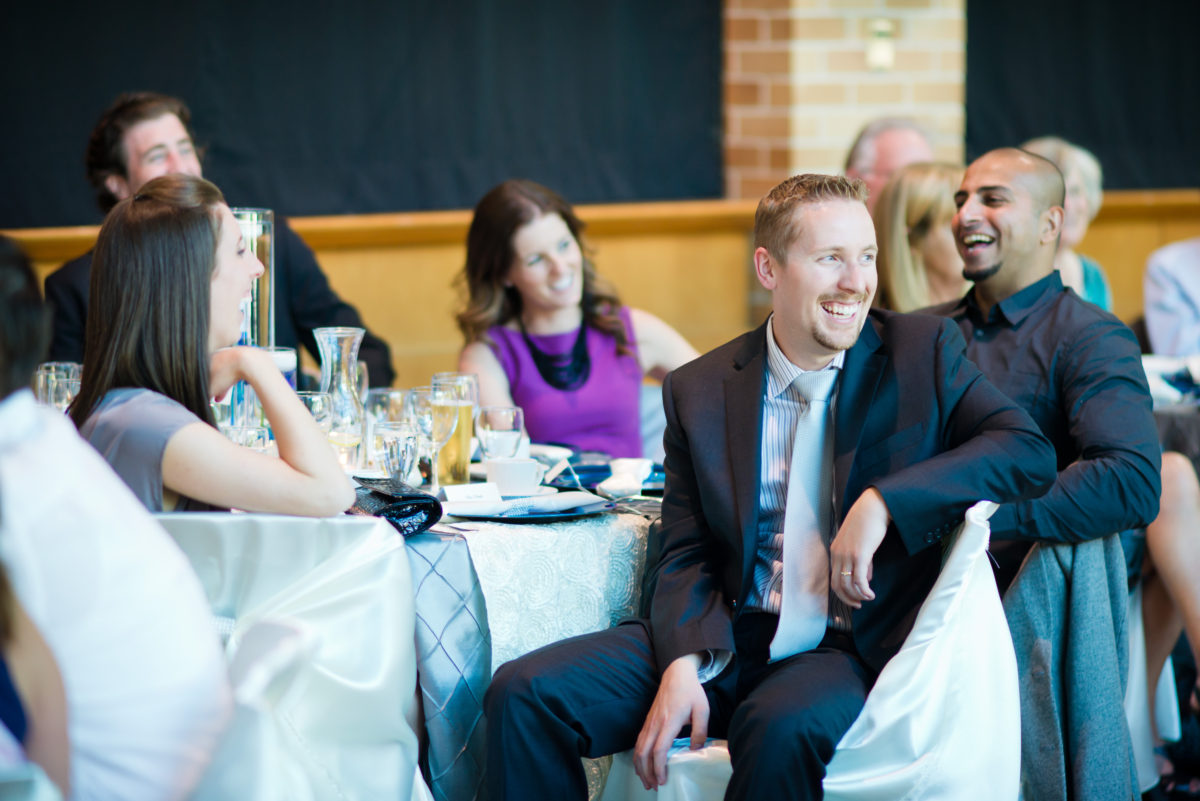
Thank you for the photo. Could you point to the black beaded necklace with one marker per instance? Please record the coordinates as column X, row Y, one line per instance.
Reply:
column 565, row 371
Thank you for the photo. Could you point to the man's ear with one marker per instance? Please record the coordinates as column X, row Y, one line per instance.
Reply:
column 765, row 268
column 1052, row 222
column 118, row 186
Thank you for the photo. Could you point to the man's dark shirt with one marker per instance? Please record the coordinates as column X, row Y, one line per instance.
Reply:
column 1077, row 371
column 304, row 301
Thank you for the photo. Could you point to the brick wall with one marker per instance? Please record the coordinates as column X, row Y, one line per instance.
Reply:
column 798, row 88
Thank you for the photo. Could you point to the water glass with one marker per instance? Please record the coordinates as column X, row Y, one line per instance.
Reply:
column 256, row 438
column 381, row 406
column 396, row 444
column 499, row 429
column 285, row 359
column 57, row 383
column 456, row 455
column 320, row 407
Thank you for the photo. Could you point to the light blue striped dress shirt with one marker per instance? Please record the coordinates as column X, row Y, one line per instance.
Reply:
column 782, row 407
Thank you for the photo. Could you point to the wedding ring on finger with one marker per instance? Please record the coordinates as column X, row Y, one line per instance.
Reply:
column 847, row 572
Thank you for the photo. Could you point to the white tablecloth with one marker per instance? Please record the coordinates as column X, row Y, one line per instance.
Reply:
column 489, row 592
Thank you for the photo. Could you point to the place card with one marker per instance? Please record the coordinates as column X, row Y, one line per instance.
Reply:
column 486, row 491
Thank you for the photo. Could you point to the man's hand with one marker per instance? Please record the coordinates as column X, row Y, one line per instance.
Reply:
column 680, row 699
column 852, row 550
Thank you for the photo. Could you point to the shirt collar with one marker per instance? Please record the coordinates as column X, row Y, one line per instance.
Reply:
column 780, row 371
column 1019, row 305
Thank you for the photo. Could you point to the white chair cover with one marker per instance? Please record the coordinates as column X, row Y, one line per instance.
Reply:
column 26, row 782
column 325, row 698
column 942, row 721
column 1137, row 705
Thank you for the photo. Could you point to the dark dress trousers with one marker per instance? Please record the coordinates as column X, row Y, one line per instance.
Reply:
column 304, row 301
column 914, row 419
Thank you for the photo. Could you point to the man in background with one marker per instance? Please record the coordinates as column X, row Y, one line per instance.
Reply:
column 144, row 135
column 882, row 147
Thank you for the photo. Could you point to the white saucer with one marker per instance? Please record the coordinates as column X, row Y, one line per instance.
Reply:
column 539, row 492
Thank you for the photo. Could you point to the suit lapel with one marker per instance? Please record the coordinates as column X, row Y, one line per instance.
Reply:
column 860, row 378
column 743, row 437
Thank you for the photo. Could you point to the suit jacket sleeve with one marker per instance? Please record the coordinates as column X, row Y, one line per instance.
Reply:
column 1115, row 483
column 689, row 611
column 314, row 304
column 67, row 294
column 989, row 449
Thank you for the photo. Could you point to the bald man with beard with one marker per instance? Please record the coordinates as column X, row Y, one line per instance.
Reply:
column 1077, row 371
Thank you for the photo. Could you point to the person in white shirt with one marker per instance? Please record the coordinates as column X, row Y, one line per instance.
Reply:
column 146, row 686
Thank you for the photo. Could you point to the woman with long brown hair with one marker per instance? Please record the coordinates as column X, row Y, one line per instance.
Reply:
column 168, row 276
column 543, row 332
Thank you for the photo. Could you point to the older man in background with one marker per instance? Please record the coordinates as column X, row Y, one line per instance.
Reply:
column 882, row 147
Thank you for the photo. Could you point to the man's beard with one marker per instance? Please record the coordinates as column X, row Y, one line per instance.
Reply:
column 981, row 273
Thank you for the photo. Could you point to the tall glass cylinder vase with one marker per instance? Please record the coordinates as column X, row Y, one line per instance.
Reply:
column 339, row 368
column 258, row 310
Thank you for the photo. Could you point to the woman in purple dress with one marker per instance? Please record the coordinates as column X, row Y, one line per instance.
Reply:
column 544, row 333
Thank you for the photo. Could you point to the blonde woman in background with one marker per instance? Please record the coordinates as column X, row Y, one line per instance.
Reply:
column 918, row 263
column 1083, row 177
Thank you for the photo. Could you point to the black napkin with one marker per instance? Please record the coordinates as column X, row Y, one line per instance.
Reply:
column 409, row 510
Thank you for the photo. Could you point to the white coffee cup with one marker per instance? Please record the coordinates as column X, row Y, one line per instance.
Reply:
column 515, row 476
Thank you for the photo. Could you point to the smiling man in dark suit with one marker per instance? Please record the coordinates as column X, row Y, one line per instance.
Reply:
column 764, row 627
column 143, row 135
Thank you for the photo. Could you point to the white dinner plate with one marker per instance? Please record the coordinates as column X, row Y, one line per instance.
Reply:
column 535, row 494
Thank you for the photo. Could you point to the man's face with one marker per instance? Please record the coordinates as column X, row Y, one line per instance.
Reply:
column 997, row 221
column 894, row 148
column 156, row 147
column 823, row 288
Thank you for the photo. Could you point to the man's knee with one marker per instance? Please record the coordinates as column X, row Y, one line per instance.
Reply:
column 513, row 684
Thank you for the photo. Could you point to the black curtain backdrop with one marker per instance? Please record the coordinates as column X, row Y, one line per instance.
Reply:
column 1122, row 79
column 328, row 108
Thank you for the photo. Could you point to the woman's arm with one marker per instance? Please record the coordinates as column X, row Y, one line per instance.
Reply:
column 494, row 389
column 306, row 479
column 660, row 347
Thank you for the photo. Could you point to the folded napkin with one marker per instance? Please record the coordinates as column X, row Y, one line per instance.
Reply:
column 409, row 510
column 543, row 504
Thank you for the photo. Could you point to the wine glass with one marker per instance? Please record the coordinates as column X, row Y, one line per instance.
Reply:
column 57, row 383
column 499, row 429
column 435, row 415
column 456, row 455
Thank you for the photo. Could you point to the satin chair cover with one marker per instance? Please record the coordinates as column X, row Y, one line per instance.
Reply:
column 941, row 722
column 340, row 689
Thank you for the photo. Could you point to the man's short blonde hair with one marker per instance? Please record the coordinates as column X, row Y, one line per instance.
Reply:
column 775, row 224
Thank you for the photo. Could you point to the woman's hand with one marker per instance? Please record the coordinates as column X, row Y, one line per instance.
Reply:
column 306, row 479
column 225, row 370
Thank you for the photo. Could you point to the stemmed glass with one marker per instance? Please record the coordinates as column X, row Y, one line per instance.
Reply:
column 57, row 383
column 457, row 453
column 435, row 414
column 499, row 429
